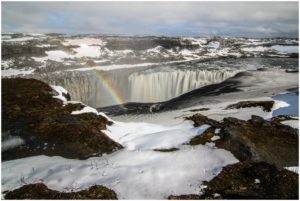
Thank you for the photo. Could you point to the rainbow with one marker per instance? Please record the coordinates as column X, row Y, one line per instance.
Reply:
column 108, row 86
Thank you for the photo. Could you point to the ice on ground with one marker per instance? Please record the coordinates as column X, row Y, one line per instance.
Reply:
column 46, row 45
column 11, row 142
column 214, row 44
column 156, row 49
column 54, row 55
column 291, row 123
column 60, row 90
column 214, row 138
column 255, row 49
column 13, row 72
column 87, row 51
column 6, row 63
column 286, row 49
column 131, row 174
column 21, row 39
column 86, row 109
column 293, row 169
column 145, row 136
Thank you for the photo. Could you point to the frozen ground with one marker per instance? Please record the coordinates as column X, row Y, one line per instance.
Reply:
column 111, row 53
column 141, row 170
column 138, row 171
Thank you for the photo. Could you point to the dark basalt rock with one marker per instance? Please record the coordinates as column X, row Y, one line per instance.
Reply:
column 204, row 137
column 281, row 118
column 41, row 191
column 253, row 180
column 199, row 109
column 184, row 197
column 47, row 126
column 255, row 139
column 249, row 180
column 166, row 150
column 266, row 105
column 200, row 120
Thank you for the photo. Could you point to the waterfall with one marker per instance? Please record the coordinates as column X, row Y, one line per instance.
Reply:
column 162, row 86
column 142, row 86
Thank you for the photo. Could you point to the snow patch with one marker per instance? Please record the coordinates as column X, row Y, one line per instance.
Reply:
column 86, row 109
column 13, row 72
column 293, row 169
column 291, row 123
column 60, row 90
column 131, row 174
column 286, row 49
column 11, row 142
column 215, row 137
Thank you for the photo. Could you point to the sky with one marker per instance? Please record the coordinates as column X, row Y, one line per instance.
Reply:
column 246, row 19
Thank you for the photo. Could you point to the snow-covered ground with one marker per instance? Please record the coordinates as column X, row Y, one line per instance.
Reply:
column 74, row 51
column 138, row 171
column 14, row 72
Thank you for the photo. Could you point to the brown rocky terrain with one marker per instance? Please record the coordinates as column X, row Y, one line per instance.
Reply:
column 30, row 112
column 249, row 180
column 256, row 139
column 40, row 191
column 266, row 105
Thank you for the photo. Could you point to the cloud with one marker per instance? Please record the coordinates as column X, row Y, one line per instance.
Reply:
column 154, row 18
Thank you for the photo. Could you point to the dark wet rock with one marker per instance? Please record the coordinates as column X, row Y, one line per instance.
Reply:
column 294, row 55
column 281, row 118
column 199, row 109
column 41, row 191
column 253, row 180
column 155, row 108
column 266, row 105
column 200, row 120
column 30, row 112
column 14, row 50
column 248, row 180
column 166, row 150
column 184, row 197
column 256, row 139
column 204, row 137
column 292, row 71
column 260, row 140
column 143, row 43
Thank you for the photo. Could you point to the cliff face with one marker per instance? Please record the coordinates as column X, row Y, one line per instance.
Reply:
column 35, row 123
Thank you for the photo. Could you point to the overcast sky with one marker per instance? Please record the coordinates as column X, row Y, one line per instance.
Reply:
column 256, row 19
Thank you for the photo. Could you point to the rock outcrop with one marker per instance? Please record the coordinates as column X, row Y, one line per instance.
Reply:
column 266, row 105
column 249, row 180
column 256, row 139
column 41, row 191
column 47, row 126
column 253, row 180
